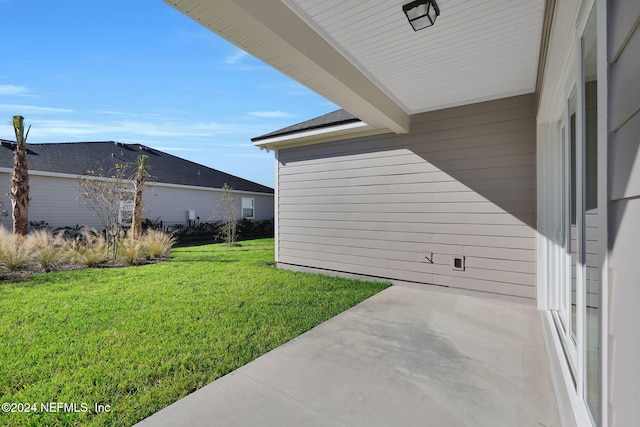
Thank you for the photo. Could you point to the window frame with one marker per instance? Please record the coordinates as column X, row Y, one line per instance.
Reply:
column 252, row 200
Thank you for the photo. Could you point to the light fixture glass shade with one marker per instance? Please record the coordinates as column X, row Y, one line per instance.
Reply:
column 417, row 12
column 421, row 13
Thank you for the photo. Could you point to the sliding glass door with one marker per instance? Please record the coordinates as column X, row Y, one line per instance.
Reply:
column 563, row 259
column 574, row 262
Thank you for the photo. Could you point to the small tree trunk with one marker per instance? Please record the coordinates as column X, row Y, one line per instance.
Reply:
column 141, row 173
column 20, row 180
column 230, row 212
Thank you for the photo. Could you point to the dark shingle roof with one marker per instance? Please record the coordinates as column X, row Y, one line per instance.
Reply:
column 334, row 118
column 78, row 157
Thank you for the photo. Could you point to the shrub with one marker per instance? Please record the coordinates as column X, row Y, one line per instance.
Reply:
column 153, row 224
column 39, row 225
column 254, row 229
column 201, row 230
column 69, row 233
column 246, row 229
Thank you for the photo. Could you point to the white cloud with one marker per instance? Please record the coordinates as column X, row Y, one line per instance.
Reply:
column 236, row 57
column 272, row 114
column 22, row 109
column 13, row 90
column 67, row 128
column 113, row 113
column 128, row 130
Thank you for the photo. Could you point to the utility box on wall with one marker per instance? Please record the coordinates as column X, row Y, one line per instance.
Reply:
column 191, row 214
column 457, row 262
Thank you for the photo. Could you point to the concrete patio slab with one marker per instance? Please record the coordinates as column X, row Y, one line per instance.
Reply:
column 405, row 357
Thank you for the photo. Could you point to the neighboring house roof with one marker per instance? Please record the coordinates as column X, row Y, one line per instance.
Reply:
column 334, row 118
column 77, row 157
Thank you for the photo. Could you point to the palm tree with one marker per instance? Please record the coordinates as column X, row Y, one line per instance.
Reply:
column 20, row 179
column 138, row 185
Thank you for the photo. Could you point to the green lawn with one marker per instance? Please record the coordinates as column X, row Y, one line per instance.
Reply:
column 140, row 338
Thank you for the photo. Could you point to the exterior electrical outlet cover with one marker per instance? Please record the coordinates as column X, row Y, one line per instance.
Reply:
column 457, row 262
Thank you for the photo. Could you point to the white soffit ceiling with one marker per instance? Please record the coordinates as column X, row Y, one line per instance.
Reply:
column 477, row 50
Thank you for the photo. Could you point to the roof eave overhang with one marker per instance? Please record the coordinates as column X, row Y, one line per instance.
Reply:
column 272, row 32
column 317, row 136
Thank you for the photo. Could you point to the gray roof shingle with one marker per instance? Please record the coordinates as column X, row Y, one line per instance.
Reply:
column 77, row 157
column 334, row 118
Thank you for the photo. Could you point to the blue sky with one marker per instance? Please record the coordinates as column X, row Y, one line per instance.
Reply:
column 139, row 71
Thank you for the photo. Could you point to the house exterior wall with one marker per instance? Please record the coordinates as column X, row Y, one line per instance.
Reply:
column 171, row 203
column 461, row 182
column 55, row 200
column 624, row 217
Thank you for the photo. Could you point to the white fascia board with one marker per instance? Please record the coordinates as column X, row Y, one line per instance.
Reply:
column 211, row 189
column 272, row 32
column 50, row 174
column 318, row 136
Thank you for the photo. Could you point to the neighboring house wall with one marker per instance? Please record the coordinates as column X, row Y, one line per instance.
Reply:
column 171, row 202
column 55, row 200
column 462, row 182
column 624, row 219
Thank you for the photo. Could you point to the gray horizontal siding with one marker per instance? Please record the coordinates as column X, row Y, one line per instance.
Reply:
column 624, row 211
column 171, row 204
column 56, row 201
column 462, row 182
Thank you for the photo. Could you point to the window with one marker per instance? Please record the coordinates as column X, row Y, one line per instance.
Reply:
column 125, row 214
column 248, row 204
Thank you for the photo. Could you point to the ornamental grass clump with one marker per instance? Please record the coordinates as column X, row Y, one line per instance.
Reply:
column 130, row 251
column 89, row 250
column 157, row 244
column 42, row 250
column 16, row 251
column 153, row 244
column 49, row 251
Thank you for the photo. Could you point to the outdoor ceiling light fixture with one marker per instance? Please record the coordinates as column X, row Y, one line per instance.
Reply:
column 421, row 13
